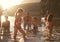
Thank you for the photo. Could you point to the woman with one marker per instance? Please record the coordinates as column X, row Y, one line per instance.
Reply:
column 49, row 24
column 17, row 26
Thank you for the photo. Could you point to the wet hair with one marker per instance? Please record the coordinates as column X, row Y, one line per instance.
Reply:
column 50, row 16
column 18, row 10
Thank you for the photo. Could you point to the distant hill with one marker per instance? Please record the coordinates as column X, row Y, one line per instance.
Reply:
column 32, row 8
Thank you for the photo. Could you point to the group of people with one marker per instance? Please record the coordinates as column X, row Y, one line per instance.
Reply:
column 27, row 19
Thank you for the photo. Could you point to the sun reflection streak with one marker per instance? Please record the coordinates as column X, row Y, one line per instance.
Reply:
column 9, row 3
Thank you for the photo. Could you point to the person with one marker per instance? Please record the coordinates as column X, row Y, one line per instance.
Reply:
column 6, row 25
column 35, row 25
column 49, row 25
column 17, row 24
column 27, row 22
column 6, row 28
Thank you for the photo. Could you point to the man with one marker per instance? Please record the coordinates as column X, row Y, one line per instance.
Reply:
column 6, row 27
column 27, row 22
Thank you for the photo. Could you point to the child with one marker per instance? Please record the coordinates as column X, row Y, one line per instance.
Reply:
column 35, row 25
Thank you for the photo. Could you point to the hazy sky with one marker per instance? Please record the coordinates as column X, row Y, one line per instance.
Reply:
column 9, row 3
column 31, row 1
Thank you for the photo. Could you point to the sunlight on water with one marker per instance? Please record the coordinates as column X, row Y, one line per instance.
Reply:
column 2, row 19
column 11, row 19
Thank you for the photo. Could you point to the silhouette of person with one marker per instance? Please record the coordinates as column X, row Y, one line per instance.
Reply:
column 6, row 28
column 35, row 25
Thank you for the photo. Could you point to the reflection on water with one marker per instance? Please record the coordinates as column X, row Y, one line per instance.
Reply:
column 11, row 19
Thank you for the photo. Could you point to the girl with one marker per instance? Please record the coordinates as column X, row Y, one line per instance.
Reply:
column 17, row 25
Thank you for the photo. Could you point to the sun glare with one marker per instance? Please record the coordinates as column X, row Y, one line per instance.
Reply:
column 9, row 3
column 2, row 18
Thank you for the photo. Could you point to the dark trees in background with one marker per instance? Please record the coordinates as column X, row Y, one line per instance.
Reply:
column 52, row 6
